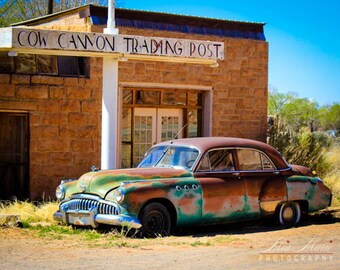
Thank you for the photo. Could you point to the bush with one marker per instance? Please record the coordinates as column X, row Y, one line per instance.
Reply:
column 332, row 180
column 303, row 148
column 29, row 212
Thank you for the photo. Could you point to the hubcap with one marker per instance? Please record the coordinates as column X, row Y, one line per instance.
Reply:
column 154, row 222
column 288, row 214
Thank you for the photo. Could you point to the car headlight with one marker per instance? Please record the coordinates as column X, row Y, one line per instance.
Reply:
column 60, row 192
column 118, row 195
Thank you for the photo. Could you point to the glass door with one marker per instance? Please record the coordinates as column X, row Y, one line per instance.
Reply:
column 169, row 123
column 144, row 132
column 154, row 125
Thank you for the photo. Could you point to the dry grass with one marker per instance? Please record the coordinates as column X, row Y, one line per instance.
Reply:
column 29, row 212
column 332, row 179
column 334, row 157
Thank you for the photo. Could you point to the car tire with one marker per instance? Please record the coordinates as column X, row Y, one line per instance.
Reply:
column 156, row 221
column 289, row 214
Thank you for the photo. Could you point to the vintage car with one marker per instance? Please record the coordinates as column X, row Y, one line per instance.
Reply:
column 198, row 181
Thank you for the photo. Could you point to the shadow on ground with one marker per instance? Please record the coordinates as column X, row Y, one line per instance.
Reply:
column 322, row 217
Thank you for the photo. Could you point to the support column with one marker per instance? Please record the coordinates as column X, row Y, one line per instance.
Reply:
column 109, row 114
column 110, row 101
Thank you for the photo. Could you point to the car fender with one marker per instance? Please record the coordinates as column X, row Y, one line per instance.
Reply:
column 185, row 194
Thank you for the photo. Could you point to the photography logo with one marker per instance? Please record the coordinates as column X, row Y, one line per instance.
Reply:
column 285, row 251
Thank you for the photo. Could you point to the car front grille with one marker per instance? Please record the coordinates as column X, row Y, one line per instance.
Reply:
column 86, row 204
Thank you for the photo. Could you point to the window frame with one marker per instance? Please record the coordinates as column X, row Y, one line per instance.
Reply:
column 234, row 151
column 217, row 171
column 261, row 159
column 83, row 63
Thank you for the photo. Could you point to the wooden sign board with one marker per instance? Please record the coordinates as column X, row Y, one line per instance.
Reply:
column 82, row 42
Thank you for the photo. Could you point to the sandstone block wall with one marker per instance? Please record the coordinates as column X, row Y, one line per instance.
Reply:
column 65, row 113
column 240, row 82
column 64, row 121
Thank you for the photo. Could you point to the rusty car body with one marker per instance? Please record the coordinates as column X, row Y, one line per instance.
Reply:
column 196, row 181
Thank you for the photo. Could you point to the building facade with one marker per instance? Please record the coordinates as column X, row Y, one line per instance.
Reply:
column 51, row 105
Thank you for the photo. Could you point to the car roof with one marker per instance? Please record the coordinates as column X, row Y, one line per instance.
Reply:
column 206, row 143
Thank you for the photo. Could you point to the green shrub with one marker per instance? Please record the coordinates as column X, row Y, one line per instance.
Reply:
column 303, row 148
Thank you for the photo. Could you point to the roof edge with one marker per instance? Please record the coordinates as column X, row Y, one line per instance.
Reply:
column 91, row 8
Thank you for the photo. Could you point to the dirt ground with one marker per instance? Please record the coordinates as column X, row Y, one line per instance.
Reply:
column 315, row 244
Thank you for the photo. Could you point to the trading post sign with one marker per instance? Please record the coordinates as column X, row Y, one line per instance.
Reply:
column 27, row 38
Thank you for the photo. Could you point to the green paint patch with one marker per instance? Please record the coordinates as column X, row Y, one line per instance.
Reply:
column 300, row 178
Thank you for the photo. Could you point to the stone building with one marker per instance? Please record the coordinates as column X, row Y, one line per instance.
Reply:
column 51, row 104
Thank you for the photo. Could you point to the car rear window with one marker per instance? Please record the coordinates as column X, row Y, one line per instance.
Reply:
column 253, row 160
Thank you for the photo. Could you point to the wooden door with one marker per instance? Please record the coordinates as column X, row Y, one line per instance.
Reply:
column 14, row 165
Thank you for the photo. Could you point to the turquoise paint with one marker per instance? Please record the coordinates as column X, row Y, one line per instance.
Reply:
column 301, row 178
column 100, row 183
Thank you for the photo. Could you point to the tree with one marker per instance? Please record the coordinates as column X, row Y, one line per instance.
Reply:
column 277, row 101
column 298, row 129
column 12, row 11
column 330, row 118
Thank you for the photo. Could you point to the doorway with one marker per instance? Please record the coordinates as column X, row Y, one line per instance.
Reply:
column 14, row 165
column 154, row 125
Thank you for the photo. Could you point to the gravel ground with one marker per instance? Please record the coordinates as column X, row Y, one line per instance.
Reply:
column 315, row 244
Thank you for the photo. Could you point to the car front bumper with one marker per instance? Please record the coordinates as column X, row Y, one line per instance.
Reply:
column 84, row 218
column 89, row 210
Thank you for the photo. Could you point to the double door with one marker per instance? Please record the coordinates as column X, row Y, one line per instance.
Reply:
column 154, row 125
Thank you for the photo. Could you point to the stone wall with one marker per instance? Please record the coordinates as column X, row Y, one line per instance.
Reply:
column 65, row 113
column 240, row 82
column 64, row 122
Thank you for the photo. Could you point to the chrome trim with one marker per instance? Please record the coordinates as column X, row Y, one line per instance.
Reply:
column 84, row 209
column 119, row 220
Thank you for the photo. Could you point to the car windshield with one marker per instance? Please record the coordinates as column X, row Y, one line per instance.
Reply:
column 171, row 156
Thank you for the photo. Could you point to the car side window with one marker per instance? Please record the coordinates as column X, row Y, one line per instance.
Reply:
column 253, row 160
column 267, row 164
column 217, row 160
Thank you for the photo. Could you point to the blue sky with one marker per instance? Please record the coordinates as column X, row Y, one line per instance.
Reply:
column 303, row 36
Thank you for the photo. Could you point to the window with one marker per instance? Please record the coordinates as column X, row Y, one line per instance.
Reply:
column 136, row 139
column 217, row 160
column 253, row 160
column 66, row 66
column 71, row 66
column 170, row 156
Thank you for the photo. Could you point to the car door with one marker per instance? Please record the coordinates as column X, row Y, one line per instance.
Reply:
column 223, row 190
column 265, row 185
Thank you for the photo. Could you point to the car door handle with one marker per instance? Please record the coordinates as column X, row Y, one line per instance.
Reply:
column 236, row 174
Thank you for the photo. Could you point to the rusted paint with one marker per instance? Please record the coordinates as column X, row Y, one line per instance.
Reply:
column 222, row 198
column 206, row 197
column 263, row 187
column 102, row 182
column 308, row 189
column 187, row 202
column 268, row 208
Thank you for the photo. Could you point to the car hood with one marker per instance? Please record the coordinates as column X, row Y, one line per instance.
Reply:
column 101, row 182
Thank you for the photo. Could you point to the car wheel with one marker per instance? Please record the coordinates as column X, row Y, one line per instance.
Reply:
column 156, row 221
column 289, row 214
